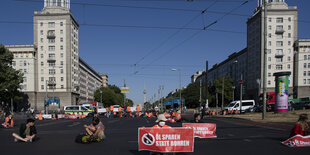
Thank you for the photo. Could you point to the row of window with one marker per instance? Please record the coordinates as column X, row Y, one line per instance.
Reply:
column 52, row 71
column 21, row 55
column 52, row 48
column 280, row 36
column 280, row 67
column 51, row 40
column 51, row 32
column 305, row 65
column 306, row 57
column 305, row 73
column 52, row 79
column 279, row 27
column 279, row 51
column 280, row 43
column 21, row 63
column 52, row 55
column 279, row 19
column 52, row 87
column 306, row 80
column 51, row 24
column 280, row 59
column 52, row 64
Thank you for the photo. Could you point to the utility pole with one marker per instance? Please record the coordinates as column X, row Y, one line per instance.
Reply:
column 265, row 60
column 124, row 93
column 241, row 84
column 144, row 93
column 233, row 93
column 217, row 101
column 222, row 106
column 46, row 97
column 200, row 93
column 207, row 83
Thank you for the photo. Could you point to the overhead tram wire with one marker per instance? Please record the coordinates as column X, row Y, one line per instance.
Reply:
column 172, row 35
column 169, row 9
column 196, row 33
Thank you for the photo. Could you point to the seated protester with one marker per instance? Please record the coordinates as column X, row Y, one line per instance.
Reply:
column 197, row 118
column 301, row 126
column 9, row 122
column 161, row 122
column 177, row 116
column 27, row 132
column 95, row 130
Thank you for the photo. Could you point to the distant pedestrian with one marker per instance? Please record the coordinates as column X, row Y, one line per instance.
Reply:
column 197, row 118
column 301, row 126
column 27, row 132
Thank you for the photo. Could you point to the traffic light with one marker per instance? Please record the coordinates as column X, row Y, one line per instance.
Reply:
column 243, row 90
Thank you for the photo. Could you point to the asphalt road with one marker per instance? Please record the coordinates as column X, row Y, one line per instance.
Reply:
column 233, row 137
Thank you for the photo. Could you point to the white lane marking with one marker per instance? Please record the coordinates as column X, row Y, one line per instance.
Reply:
column 74, row 124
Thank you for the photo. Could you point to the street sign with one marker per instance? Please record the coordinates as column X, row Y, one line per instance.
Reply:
column 125, row 90
column 240, row 81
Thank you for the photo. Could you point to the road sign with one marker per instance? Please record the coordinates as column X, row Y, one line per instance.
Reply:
column 240, row 81
column 125, row 90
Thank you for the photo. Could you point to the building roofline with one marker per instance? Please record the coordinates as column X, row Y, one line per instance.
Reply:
column 90, row 68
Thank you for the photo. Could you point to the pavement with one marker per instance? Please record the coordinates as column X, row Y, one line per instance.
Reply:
column 234, row 136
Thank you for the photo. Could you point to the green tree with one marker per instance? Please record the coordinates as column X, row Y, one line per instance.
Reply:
column 10, row 78
column 111, row 95
column 217, row 86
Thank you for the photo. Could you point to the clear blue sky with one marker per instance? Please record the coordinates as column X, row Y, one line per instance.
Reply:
column 115, row 50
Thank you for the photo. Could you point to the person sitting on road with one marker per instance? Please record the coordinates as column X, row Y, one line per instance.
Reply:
column 197, row 118
column 27, row 132
column 95, row 130
column 9, row 122
column 301, row 126
column 161, row 122
column 177, row 117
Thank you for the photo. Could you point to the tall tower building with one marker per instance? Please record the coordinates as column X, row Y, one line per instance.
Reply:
column 56, row 36
column 281, row 35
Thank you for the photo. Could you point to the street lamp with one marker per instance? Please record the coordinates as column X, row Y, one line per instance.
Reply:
column 173, row 69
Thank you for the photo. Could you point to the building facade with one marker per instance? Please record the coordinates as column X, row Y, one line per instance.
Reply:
column 56, row 36
column 283, row 53
column 90, row 81
column 302, row 68
column 53, row 70
column 25, row 61
column 104, row 78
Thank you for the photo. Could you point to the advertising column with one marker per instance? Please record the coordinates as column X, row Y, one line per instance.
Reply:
column 282, row 85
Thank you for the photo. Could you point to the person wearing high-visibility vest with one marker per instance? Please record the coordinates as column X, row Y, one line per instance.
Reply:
column 173, row 114
column 161, row 122
column 83, row 115
column 138, row 108
column 177, row 116
column 40, row 116
column 95, row 130
column 119, row 109
column 9, row 122
column 150, row 114
column 128, row 109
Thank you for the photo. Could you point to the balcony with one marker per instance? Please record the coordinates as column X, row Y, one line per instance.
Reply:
column 279, row 54
column 51, row 59
column 279, row 31
column 51, row 35
column 51, row 83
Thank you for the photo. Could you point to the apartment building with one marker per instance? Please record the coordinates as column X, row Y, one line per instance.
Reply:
column 302, row 68
column 281, row 54
column 90, row 81
column 25, row 61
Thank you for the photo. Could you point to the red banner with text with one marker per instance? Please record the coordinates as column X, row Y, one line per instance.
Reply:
column 298, row 141
column 202, row 130
column 166, row 139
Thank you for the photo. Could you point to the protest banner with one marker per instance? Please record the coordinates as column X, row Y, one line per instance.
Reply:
column 298, row 141
column 166, row 139
column 202, row 130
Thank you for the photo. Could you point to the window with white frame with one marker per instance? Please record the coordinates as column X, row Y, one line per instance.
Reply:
column 278, row 67
column 51, row 40
column 279, row 36
column 51, row 64
column 269, row 51
column 51, row 71
column 41, row 32
column 289, row 43
column 42, row 63
column 305, row 57
column 269, row 58
column 308, row 73
column 289, row 35
column 61, row 23
column 289, row 19
column 288, row 58
column 305, row 81
column 269, row 66
column 308, row 65
column 279, row 20
column 305, row 65
column 279, row 43
column 51, row 24
column 289, row 27
column 42, row 79
column 51, row 48
column 279, row 59
column 269, row 43
column 288, row 66
column 308, row 81
column 269, row 82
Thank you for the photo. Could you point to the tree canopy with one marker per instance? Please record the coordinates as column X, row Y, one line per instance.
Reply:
column 10, row 78
column 111, row 95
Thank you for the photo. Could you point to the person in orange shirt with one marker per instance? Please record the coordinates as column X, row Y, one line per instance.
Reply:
column 40, row 116
column 119, row 109
column 177, row 116
column 138, row 108
column 9, row 122
column 161, row 122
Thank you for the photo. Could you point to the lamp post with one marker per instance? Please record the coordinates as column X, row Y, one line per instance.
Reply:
column 173, row 69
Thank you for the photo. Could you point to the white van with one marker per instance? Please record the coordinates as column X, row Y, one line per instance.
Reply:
column 101, row 110
column 235, row 105
column 115, row 108
column 77, row 109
